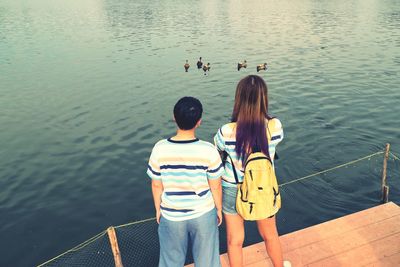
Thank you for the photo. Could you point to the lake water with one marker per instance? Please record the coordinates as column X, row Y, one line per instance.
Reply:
column 87, row 87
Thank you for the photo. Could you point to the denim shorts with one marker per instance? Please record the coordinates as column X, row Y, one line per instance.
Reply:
column 229, row 200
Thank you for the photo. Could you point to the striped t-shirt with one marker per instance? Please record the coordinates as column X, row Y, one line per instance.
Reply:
column 184, row 168
column 225, row 140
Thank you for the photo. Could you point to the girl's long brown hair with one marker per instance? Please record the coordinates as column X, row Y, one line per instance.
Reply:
column 250, row 113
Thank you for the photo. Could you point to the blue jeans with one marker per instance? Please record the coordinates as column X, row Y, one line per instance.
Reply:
column 203, row 234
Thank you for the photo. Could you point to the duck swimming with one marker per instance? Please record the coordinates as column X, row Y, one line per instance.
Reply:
column 242, row 65
column 206, row 68
column 186, row 66
column 199, row 63
column 262, row 67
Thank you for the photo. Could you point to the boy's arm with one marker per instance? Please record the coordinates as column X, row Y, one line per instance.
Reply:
column 214, row 172
column 157, row 190
column 216, row 191
column 154, row 172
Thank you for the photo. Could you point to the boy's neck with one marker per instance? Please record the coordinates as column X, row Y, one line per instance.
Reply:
column 184, row 134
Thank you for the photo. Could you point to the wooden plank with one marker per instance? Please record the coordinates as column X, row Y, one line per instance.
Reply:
column 363, row 255
column 224, row 260
column 387, row 261
column 263, row 263
column 341, row 225
column 255, row 254
column 344, row 242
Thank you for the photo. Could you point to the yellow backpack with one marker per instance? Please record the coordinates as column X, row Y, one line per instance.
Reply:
column 258, row 196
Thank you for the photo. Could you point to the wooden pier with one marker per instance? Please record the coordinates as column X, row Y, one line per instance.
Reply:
column 367, row 238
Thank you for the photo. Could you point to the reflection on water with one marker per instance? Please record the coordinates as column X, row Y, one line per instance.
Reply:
column 86, row 89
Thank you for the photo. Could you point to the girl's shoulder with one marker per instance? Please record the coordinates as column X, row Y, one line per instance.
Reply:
column 227, row 129
column 274, row 123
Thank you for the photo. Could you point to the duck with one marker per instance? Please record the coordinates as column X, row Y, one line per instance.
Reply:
column 199, row 63
column 242, row 65
column 262, row 67
column 206, row 68
column 186, row 66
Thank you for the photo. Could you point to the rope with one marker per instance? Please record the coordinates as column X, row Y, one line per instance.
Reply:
column 76, row 248
column 331, row 169
column 136, row 222
column 394, row 156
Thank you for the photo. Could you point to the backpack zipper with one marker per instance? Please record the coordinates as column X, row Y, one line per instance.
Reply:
column 275, row 195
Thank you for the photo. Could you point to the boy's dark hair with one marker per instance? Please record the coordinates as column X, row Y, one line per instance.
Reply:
column 187, row 112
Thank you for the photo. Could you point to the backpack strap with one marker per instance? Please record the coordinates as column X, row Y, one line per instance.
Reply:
column 276, row 154
column 233, row 168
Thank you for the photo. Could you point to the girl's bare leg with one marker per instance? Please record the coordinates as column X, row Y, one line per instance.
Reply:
column 269, row 233
column 235, row 237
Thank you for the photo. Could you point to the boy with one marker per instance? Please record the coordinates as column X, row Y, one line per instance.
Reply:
column 187, row 194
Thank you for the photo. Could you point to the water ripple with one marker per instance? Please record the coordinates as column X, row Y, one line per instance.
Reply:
column 86, row 91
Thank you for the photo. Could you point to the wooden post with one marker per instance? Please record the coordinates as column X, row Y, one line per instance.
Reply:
column 114, row 246
column 385, row 192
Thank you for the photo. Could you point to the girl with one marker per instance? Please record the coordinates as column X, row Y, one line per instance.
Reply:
column 248, row 132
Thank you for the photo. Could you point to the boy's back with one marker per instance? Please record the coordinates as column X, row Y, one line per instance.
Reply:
column 184, row 168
